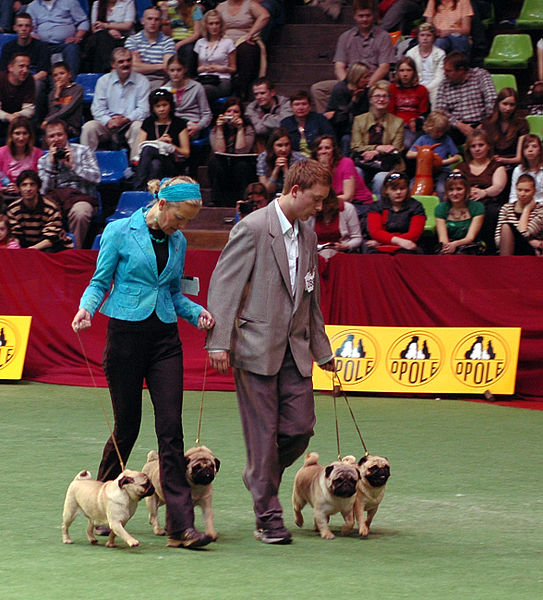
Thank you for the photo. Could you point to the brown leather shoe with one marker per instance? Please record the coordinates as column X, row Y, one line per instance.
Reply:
column 190, row 538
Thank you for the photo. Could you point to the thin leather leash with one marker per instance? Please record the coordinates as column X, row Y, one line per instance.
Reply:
column 337, row 389
column 101, row 403
column 197, row 441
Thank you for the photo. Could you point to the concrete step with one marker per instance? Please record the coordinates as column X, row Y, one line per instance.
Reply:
column 300, row 74
column 315, row 14
column 320, row 35
column 311, row 54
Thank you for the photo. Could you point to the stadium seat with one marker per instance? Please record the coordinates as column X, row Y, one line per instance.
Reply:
column 96, row 242
column 429, row 203
column 141, row 5
column 6, row 37
column 85, row 6
column 531, row 15
column 113, row 165
column 128, row 203
column 72, row 237
column 510, row 52
column 503, row 80
column 88, row 81
column 536, row 124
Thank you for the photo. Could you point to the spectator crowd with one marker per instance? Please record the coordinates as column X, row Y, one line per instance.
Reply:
column 185, row 85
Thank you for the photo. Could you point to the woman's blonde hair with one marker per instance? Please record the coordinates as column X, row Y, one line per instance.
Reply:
column 380, row 85
column 207, row 16
column 154, row 186
column 354, row 73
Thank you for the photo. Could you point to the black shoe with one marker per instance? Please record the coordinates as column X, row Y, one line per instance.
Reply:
column 102, row 530
column 279, row 535
column 190, row 538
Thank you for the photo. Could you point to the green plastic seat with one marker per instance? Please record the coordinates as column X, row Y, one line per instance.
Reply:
column 491, row 19
column 531, row 15
column 503, row 80
column 536, row 124
column 429, row 203
column 510, row 52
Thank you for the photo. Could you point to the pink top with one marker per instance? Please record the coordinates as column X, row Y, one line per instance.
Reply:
column 345, row 169
column 13, row 244
column 12, row 168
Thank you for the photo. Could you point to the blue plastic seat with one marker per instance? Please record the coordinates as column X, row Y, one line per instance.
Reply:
column 113, row 165
column 130, row 202
column 141, row 5
column 88, row 81
column 6, row 37
column 96, row 242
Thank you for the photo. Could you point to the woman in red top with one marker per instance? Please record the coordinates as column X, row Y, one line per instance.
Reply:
column 396, row 222
column 408, row 99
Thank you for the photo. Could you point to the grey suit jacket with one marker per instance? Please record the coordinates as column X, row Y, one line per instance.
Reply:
column 251, row 299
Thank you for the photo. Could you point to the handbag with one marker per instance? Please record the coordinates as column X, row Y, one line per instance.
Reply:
column 209, row 79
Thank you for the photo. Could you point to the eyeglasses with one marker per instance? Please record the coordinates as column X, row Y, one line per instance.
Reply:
column 381, row 96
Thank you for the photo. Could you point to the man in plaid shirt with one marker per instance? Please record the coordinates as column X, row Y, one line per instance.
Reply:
column 69, row 174
column 466, row 95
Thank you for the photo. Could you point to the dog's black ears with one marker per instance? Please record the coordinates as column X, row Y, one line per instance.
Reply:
column 328, row 470
column 217, row 464
column 362, row 461
column 125, row 481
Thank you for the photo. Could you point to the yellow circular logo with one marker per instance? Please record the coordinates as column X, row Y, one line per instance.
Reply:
column 9, row 343
column 480, row 359
column 355, row 355
column 415, row 358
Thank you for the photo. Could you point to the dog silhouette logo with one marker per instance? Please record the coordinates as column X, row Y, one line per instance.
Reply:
column 480, row 358
column 8, row 344
column 355, row 352
column 415, row 358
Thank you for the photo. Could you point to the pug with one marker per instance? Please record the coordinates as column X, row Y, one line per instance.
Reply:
column 110, row 503
column 374, row 474
column 329, row 490
column 202, row 466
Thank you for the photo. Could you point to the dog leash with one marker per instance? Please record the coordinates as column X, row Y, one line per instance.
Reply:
column 101, row 403
column 336, row 389
column 201, row 404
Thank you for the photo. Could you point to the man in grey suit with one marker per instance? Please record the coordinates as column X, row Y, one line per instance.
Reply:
column 264, row 295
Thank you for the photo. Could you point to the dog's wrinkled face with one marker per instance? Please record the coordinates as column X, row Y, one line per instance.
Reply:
column 341, row 479
column 202, row 466
column 375, row 469
column 137, row 485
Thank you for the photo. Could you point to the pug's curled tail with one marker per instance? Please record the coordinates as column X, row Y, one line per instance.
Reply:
column 83, row 475
column 311, row 458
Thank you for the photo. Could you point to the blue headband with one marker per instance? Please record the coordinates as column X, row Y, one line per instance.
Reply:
column 179, row 192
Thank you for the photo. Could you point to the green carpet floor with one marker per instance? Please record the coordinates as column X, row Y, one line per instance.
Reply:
column 462, row 516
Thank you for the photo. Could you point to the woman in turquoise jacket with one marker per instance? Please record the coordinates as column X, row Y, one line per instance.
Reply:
column 144, row 256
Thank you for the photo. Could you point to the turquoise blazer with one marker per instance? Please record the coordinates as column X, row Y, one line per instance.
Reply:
column 127, row 257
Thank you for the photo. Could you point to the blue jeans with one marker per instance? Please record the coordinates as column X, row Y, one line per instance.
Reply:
column 454, row 42
column 70, row 54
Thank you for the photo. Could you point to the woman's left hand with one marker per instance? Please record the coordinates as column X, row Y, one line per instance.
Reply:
column 477, row 194
column 205, row 320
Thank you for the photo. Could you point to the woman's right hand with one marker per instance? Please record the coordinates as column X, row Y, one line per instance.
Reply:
column 281, row 162
column 82, row 320
column 220, row 121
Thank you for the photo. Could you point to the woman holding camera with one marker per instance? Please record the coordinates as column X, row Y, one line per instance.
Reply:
column 231, row 136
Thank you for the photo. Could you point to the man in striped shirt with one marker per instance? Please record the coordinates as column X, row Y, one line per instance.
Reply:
column 34, row 220
column 151, row 49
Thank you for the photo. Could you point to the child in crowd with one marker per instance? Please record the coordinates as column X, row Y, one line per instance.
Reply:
column 396, row 222
column 65, row 100
column 520, row 224
column 6, row 239
column 531, row 162
column 408, row 99
column 436, row 127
